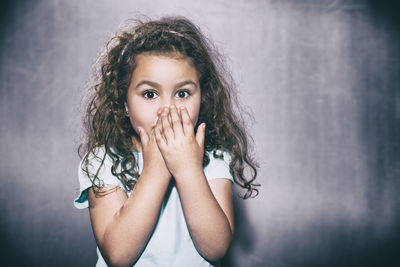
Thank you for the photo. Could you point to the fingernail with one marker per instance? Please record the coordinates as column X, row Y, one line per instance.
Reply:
column 172, row 107
column 182, row 108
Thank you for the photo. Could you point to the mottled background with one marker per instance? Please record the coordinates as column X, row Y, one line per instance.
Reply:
column 321, row 77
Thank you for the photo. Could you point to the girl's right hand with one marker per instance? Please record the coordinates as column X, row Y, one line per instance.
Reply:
column 153, row 162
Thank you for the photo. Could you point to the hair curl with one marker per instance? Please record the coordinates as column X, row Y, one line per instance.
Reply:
column 107, row 126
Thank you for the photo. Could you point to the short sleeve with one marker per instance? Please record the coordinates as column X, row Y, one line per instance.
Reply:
column 105, row 176
column 218, row 168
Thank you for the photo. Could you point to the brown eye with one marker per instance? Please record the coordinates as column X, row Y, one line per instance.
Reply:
column 183, row 94
column 149, row 94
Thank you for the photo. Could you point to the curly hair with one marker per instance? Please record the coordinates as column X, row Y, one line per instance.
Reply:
column 107, row 126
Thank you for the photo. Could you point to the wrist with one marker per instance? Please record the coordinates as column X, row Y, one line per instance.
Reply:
column 188, row 173
column 155, row 172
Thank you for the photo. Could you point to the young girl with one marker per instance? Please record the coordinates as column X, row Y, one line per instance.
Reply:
column 163, row 148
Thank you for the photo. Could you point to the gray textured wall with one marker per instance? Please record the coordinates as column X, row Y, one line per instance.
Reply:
column 322, row 78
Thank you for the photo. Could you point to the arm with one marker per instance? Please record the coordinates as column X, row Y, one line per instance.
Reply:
column 207, row 206
column 208, row 212
column 122, row 225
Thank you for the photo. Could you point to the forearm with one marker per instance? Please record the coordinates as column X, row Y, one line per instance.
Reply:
column 183, row 153
column 208, row 224
column 127, row 234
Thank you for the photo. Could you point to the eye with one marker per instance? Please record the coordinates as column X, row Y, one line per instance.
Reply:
column 183, row 93
column 149, row 94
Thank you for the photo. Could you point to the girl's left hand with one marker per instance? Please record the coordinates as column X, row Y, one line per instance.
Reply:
column 181, row 149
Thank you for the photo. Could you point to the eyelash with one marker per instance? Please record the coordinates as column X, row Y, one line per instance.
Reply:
column 145, row 94
column 185, row 91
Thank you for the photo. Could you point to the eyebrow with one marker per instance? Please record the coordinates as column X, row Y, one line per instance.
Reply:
column 157, row 85
column 152, row 84
column 186, row 82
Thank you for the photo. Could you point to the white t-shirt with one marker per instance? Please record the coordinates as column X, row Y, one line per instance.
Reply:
column 170, row 243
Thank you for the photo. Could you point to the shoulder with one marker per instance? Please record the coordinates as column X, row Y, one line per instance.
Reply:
column 94, row 163
column 218, row 167
column 95, row 159
column 220, row 156
column 95, row 169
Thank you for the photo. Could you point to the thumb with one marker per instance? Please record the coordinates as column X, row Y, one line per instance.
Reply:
column 144, row 138
column 200, row 134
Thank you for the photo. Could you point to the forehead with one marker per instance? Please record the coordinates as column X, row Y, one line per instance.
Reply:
column 164, row 66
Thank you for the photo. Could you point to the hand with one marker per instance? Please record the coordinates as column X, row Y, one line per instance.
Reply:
column 180, row 148
column 152, row 158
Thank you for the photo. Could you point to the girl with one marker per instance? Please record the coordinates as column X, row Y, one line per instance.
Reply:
column 163, row 147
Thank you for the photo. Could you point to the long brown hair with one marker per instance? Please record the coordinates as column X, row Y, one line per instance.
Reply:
column 107, row 126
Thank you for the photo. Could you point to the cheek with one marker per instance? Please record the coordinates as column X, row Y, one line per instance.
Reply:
column 144, row 117
column 146, row 121
column 193, row 110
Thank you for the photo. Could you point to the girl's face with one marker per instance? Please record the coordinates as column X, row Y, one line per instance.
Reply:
column 160, row 81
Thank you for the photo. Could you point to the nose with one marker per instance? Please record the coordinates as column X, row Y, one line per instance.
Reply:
column 167, row 103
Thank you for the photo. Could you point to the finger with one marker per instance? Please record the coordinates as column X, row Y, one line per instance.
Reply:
column 158, row 128
column 161, row 142
column 176, row 121
column 186, row 122
column 166, row 126
column 152, row 137
column 200, row 134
